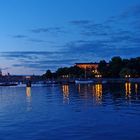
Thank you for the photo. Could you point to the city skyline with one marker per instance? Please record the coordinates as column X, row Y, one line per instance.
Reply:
column 37, row 35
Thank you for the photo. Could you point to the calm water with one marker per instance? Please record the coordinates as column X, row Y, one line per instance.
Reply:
column 71, row 112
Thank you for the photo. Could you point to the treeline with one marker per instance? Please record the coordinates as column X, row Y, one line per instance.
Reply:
column 71, row 72
column 116, row 67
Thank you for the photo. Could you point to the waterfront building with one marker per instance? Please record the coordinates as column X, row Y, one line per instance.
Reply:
column 90, row 67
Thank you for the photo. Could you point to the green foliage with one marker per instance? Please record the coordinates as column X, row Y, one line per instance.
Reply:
column 76, row 71
column 48, row 74
column 71, row 71
column 62, row 71
column 117, row 67
column 103, row 68
column 124, row 72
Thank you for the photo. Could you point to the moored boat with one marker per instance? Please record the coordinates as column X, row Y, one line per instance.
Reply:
column 8, row 84
column 51, row 82
column 84, row 81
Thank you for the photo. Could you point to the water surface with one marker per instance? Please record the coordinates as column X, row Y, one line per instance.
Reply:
column 110, row 111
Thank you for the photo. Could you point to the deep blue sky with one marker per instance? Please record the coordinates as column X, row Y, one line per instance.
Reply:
column 36, row 35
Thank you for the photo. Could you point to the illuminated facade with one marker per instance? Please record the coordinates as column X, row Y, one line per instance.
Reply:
column 93, row 67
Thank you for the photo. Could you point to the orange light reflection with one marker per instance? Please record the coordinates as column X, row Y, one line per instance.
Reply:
column 128, row 89
column 65, row 89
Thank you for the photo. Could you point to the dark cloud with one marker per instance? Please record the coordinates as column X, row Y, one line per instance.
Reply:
column 18, row 55
column 127, row 21
column 36, row 40
column 90, row 28
column 35, row 66
column 116, row 31
column 40, row 64
column 96, row 50
column 129, row 16
column 39, row 60
column 19, row 36
column 51, row 30
column 81, row 22
column 131, row 12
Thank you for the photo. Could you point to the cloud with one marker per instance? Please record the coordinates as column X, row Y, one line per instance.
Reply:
column 133, row 11
column 51, row 30
column 116, row 30
column 39, row 60
column 90, row 28
column 81, row 22
column 45, row 64
column 18, row 55
column 104, row 49
column 127, row 21
column 129, row 16
column 30, row 39
column 36, row 40
column 19, row 36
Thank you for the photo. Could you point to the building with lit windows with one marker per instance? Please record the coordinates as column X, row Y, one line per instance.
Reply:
column 91, row 67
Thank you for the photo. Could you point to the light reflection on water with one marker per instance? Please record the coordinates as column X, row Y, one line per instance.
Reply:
column 136, row 88
column 28, row 98
column 98, row 92
column 65, row 90
column 128, row 89
column 96, row 111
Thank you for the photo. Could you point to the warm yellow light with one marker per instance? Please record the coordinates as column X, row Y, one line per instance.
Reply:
column 28, row 91
column 127, row 76
column 98, row 91
column 136, row 88
column 79, row 88
column 28, row 98
column 65, row 89
column 28, row 77
column 128, row 88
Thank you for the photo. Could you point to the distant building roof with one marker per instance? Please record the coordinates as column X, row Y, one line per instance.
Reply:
column 86, row 63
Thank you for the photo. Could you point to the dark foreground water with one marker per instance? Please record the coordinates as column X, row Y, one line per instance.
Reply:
column 71, row 112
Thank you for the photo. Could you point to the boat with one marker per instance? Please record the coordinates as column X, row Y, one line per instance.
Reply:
column 51, row 82
column 84, row 81
column 8, row 84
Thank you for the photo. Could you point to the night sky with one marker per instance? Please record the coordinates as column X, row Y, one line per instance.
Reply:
column 36, row 35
